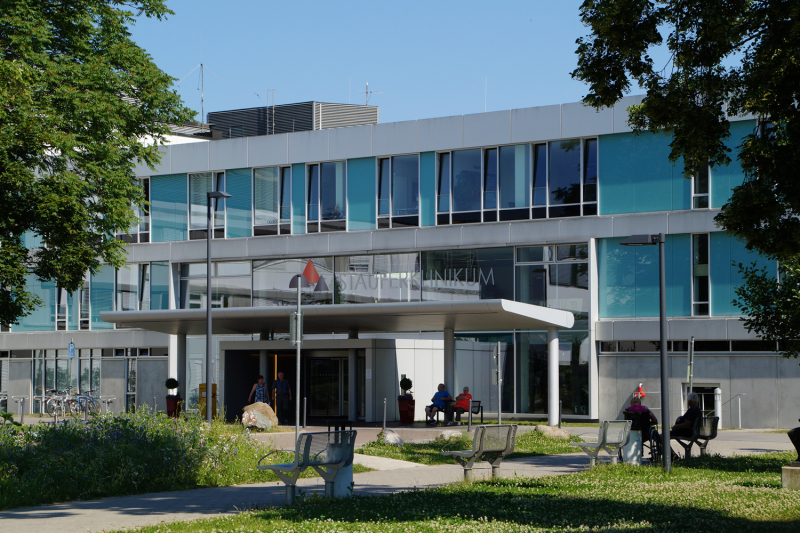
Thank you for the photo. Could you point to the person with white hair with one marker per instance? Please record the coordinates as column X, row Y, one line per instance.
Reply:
column 683, row 425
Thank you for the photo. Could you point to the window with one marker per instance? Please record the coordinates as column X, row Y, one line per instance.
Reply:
column 272, row 210
column 133, row 288
column 231, row 282
column 327, row 203
column 141, row 231
column 515, row 182
column 200, row 184
column 700, row 291
column 565, row 178
column 398, row 191
column 443, row 189
column 700, row 189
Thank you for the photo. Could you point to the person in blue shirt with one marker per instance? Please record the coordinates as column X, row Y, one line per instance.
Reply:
column 439, row 402
column 259, row 391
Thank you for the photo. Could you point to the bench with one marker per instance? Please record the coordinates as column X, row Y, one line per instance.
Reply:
column 613, row 435
column 324, row 451
column 704, row 429
column 477, row 409
column 490, row 443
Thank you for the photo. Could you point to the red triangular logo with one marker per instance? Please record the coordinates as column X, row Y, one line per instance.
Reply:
column 310, row 273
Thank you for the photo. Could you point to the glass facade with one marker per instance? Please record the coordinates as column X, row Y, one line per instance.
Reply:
column 377, row 278
column 468, row 274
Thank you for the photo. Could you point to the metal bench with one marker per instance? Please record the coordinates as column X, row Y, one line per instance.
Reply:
column 613, row 436
column 704, row 429
column 324, row 451
column 490, row 443
column 475, row 407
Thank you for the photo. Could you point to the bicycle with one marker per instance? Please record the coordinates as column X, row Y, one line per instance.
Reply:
column 61, row 403
column 85, row 403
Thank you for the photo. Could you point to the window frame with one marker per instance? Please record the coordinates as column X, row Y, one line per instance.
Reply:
column 218, row 231
column 323, row 225
column 390, row 220
column 283, row 226
column 695, row 195
column 695, row 301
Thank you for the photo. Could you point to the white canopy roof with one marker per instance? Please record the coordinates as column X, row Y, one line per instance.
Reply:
column 475, row 315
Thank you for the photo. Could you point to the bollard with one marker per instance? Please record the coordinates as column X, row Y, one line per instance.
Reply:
column 739, row 398
column 305, row 405
column 21, row 402
column 469, row 419
column 384, row 416
column 718, row 406
column 559, row 414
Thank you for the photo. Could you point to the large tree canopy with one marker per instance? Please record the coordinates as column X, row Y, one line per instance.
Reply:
column 726, row 58
column 77, row 98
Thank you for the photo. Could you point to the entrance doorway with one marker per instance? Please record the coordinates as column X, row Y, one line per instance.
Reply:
column 328, row 387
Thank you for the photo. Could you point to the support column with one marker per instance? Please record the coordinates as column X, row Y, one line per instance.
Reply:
column 180, row 356
column 552, row 376
column 449, row 359
column 352, row 379
column 263, row 364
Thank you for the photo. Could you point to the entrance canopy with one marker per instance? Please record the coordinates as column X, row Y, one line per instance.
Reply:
column 471, row 315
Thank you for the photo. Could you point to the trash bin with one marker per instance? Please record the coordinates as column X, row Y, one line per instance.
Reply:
column 632, row 451
column 202, row 405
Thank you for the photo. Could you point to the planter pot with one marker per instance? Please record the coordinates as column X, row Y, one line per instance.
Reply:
column 406, row 408
column 174, row 406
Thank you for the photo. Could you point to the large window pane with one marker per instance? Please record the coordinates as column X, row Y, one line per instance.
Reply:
column 271, row 281
column 377, row 278
column 560, row 286
column 468, row 274
column 265, row 199
column 199, row 187
column 384, row 178
column 159, row 285
column 540, row 174
column 443, row 191
column 490, row 178
column 475, row 353
column 313, row 193
column 467, row 180
column 332, row 190
column 515, row 176
column 590, row 170
column 102, row 298
column 286, row 194
column 230, row 285
column 43, row 317
column 405, row 185
column 565, row 172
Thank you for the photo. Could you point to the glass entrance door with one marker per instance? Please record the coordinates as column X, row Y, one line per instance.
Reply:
column 327, row 387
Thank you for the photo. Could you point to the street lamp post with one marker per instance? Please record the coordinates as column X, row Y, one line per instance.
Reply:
column 213, row 195
column 649, row 240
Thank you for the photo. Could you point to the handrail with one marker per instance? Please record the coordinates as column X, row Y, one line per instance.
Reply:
column 734, row 397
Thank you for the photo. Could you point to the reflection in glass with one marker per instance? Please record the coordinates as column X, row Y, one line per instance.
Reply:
column 700, row 294
column 476, row 351
column 384, row 177
column 560, row 286
column 199, row 187
column 313, row 192
column 332, row 190
column 565, row 172
column 468, row 274
column 490, row 178
column 405, row 185
column 230, row 285
column 271, row 281
column 443, row 191
column 128, row 288
column 540, row 174
column 286, row 194
column 515, row 176
column 265, row 196
column 377, row 278
column 532, row 254
column 590, row 170
column 466, row 180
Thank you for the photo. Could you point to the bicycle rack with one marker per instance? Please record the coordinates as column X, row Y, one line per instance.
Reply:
column 21, row 401
column 107, row 400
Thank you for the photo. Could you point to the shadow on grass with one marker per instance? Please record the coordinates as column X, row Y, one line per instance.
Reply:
column 759, row 463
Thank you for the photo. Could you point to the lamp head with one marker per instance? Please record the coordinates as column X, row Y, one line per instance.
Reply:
column 218, row 194
column 303, row 281
column 321, row 286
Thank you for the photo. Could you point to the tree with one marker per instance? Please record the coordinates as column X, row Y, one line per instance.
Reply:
column 727, row 58
column 77, row 99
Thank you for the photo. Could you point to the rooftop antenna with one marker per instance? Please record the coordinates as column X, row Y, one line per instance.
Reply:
column 368, row 92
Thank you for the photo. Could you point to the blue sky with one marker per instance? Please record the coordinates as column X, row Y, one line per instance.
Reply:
column 428, row 59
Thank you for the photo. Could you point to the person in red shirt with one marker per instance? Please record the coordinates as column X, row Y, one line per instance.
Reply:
column 462, row 405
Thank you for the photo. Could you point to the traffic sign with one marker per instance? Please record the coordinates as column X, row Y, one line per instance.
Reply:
column 71, row 350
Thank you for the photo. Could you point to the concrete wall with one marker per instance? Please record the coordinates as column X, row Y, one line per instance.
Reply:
column 112, row 382
column 19, row 384
column 422, row 361
column 150, row 378
column 771, row 400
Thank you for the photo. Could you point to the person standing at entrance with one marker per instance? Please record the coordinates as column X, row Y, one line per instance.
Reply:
column 282, row 396
column 259, row 391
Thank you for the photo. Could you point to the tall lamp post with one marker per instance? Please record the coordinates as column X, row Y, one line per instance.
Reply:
column 213, row 195
column 649, row 240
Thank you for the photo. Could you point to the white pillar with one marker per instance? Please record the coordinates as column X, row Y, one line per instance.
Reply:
column 263, row 364
column 552, row 376
column 449, row 359
column 180, row 357
column 352, row 384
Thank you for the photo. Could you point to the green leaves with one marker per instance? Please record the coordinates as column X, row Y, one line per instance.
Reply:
column 77, row 100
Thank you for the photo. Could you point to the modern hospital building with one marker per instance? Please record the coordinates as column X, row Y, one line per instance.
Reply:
column 437, row 239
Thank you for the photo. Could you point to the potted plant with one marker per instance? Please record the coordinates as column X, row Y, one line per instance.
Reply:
column 406, row 402
column 173, row 400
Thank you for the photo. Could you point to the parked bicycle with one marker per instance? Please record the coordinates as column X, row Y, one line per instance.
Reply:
column 60, row 403
column 86, row 404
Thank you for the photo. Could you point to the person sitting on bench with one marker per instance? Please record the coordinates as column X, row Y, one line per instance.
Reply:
column 439, row 401
column 460, row 406
column 646, row 419
column 684, row 424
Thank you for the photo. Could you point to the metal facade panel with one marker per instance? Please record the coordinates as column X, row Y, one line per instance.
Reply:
column 163, row 167
column 144, row 253
column 267, row 247
column 485, row 234
column 309, row 146
column 228, row 153
column 535, row 232
column 439, row 237
column 581, row 229
column 578, row 120
column 446, row 133
column 268, row 150
column 350, row 143
column 354, row 242
column 694, row 221
column 535, row 124
column 345, row 115
column 487, row 129
column 625, row 226
column 191, row 157
column 394, row 239
column 225, row 249
column 621, row 113
column 310, row 245
column 394, row 138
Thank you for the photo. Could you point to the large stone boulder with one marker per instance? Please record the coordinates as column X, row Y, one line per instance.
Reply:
column 552, row 431
column 265, row 410
column 392, row 438
column 257, row 420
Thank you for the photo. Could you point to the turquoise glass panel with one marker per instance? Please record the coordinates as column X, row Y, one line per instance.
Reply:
column 724, row 179
column 239, row 205
column 679, row 274
column 427, row 188
column 681, row 187
column 298, row 199
column 159, row 286
column 169, row 211
column 102, row 296
column 43, row 317
column 725, row 254
column 616, row 160
column 73, row 310
column 30, row 240
column 361, row 194
column 616, row 279
column 653, row 173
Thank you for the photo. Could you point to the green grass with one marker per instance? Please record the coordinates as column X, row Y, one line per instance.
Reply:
column 711, row 495
column 527, row 444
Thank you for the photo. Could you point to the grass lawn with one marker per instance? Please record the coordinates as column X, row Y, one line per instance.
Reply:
column 527, row 445
column 709, row 494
